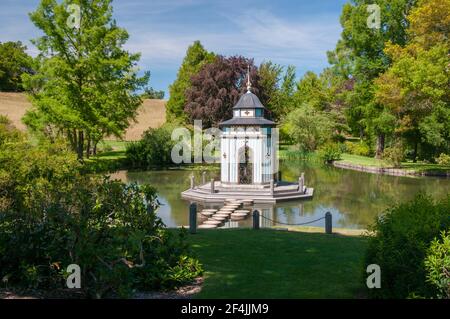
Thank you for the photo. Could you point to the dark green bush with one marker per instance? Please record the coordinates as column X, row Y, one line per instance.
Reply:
column 52, row 215
column 402, row 237
column 154, row 149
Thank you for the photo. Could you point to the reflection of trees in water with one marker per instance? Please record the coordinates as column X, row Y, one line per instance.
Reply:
column 358, row 196
column 354, row 198
column 170, row 184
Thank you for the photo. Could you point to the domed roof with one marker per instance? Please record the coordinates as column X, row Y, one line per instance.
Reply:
column 249, row 101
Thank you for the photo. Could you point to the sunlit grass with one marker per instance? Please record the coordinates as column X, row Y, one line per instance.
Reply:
column 244, row 263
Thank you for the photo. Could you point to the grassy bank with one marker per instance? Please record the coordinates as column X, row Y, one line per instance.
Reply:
column 418, row 167
column 242, row 263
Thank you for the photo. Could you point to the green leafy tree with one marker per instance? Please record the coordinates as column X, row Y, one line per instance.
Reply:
column 196, row 57
column 416, row 87
column 84, row 88
column 361, row 52
column 14, row 62
column 277, row 88
column 270, row 77
column 309, row 128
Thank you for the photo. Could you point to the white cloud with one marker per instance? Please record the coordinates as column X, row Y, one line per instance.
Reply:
column 260, row 35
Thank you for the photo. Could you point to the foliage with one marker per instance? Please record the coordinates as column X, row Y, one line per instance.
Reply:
column 437, row 265
column 154, row 149
column 330, row 152
column 277, row 88
column 196, row 57
column 415, row 88
column 217, row 87
column 402, row 235
column 360, row 56
column 269, row 80
column 14, row 62
column 394, row 155
column 58, row 216
column 151, row 93
column 443, row 159
column 84, row 85
column 360, row 148
column 309, row 128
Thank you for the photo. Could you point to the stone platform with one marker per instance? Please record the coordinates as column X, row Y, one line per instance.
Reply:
column 282, row 191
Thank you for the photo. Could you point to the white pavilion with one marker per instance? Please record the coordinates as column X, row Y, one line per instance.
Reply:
column 249, row 161
column 248, row 145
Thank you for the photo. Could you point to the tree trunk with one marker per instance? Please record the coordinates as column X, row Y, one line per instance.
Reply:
column 95, row 148
column 75, row 140
column 88, row 146
column 380, row 146
column 416, row 147
column 80, row 145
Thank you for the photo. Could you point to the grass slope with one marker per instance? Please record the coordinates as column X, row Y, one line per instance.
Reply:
column 152, row 113
column 243, row 263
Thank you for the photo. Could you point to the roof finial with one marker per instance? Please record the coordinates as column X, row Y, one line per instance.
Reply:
column 249, row 84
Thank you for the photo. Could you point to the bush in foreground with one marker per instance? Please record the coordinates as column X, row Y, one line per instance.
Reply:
column 51, row 216
column 402, row 238
column 437, row 265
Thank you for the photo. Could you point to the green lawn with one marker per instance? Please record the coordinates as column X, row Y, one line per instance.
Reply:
column 370, row 161
column 244, row 263
column 363, row 160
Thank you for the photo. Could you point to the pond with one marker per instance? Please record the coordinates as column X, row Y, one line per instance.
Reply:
column 354, row 198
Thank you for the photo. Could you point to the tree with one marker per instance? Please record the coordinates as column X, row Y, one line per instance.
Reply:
column 362, row 51
column 277, row 88
column 309, row 128
column 85, row 85
column 415, row 87
column 196, row 57
column 151, row 93
column 269, row 80
column 217, row 87
column 14, row 61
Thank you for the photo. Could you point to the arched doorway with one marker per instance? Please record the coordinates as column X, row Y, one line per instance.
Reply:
column 245, row 165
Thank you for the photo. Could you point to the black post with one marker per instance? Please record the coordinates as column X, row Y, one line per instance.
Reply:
column 193, row 218
column 255, row 219
column 328, row 222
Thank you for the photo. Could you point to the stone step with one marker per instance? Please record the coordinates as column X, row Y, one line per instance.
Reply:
column 207, row 214
column 212, row 222
column 207, row 226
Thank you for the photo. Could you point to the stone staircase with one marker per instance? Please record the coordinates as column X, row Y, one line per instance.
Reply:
column 233, row 210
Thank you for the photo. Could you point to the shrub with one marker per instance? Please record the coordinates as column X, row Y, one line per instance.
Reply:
column 394, row 155
column 58, row 216
column 437, row 265
column 154, row 149
column 330, row 152
column 443, row 159
column 403, row 234
column 360, row 148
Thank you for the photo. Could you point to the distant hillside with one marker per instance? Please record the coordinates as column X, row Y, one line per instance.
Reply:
column 150, row 114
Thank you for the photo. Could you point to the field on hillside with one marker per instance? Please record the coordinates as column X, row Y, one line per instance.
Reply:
column 150, row 114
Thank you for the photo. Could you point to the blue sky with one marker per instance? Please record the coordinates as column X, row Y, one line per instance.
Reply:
column 297, row 32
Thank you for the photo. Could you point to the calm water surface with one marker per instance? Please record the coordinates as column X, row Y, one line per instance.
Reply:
column 354, row 198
